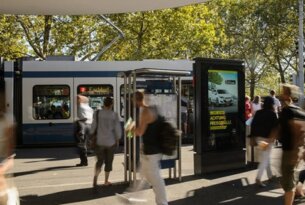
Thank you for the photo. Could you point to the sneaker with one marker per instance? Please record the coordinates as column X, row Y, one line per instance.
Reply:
column 273, row 178
column 260, row 183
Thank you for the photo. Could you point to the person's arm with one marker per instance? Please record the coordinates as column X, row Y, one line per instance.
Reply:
column 144, row 120
column 117, row 129
column 94, row 125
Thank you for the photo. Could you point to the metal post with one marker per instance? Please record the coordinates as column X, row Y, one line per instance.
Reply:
column 134, row 137
column 125, row 119
column 129, row 140
column 179, row 126
column 301, row 50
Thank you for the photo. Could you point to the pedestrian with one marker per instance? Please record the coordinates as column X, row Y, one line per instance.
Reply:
column 263, row 128
column 256, row 104
column 291, row 121
column 277, row 103
column 151, row 156
column 8, row 192
column 248, row 112
column 108, row 131
column 83, row 124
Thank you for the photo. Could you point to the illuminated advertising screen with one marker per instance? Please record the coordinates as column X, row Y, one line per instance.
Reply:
column 222, row 107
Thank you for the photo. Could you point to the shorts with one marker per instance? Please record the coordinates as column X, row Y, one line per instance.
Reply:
column 290, row 176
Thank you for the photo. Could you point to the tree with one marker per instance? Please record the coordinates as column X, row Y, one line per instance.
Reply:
column 12, row 44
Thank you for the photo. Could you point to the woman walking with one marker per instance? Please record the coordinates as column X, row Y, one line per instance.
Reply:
column 263, row 128
column 107, row 126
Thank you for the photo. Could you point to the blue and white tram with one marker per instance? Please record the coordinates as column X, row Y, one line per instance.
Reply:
column 42, row 94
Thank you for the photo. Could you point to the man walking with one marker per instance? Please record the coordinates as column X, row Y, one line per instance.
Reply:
column 84, row 114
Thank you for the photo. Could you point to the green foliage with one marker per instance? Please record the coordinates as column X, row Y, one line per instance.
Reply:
column 215, row 77
column 260, row 32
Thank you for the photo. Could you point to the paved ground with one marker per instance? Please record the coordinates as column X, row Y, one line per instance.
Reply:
column 49, row 176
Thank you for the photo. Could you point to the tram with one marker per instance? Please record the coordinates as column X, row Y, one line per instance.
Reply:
column 42, row 94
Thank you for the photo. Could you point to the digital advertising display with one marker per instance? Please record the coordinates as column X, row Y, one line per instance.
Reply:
column 222, row 97
column 219, row 114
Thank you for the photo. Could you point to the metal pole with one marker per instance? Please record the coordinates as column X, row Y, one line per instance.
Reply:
column 125, row 135
column 301, row 50
column 129, row 139
column 134, row 137
column 179, row 126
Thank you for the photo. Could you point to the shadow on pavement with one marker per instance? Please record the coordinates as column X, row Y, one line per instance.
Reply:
column 73, row 196
column 17, row 174
column 236, row 192
column 48, row 154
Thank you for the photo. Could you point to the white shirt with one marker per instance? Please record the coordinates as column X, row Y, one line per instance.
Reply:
column 255, row 107
column 277, row 104
column 85, row 112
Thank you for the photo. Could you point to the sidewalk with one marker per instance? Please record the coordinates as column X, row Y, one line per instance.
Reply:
column 49, row 176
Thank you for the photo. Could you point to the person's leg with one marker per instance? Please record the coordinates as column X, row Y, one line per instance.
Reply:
column 289, row 197
column 109, row 155
column 299, row 188
column 268, row 166
column 82, row 146
column 265, row 154
column 153, row 176
column 98, row 165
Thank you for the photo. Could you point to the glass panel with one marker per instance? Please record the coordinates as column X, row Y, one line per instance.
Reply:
column 51, row 102
column 96, row 94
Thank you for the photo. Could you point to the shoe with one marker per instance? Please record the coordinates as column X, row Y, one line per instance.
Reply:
column 259, row 183
column 82, row 165
column 107, row 184
column 273, row 178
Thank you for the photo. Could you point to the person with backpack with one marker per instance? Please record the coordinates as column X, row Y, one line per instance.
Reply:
column 149, row 129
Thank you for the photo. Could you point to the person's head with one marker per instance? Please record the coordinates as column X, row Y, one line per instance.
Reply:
column 247, row 98
column 268, row 103
column 257, row 99
column 272, row 92
column 82, row 99
column 289, row 93
column 108, row 102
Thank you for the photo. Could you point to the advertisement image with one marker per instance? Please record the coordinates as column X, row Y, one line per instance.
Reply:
column 223, row 90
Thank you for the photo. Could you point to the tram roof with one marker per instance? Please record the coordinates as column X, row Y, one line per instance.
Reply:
column 155, row 73
column 81, row 7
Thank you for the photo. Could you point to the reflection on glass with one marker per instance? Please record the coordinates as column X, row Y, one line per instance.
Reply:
column 96, row 94
column 51, row 102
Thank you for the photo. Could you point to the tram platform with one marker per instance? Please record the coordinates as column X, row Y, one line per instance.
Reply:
column 49, row 176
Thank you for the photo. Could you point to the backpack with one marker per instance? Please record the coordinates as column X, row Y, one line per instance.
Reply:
column 169, row 136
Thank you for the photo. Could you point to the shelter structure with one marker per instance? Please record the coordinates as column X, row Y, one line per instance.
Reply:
column 161, row 87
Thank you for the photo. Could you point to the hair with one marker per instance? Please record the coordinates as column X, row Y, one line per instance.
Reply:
column 139, row 96
column 247, row 97
column 292, row 91
column 257, row 99
column 108, row 101
column 268, row 103
column 272, row 92
column 82, row 99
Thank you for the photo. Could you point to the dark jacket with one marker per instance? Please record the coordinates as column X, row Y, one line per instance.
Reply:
column 263, row 122
column 289, row 113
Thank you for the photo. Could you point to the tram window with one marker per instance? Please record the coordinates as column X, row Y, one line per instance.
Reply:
column 51, row 102
column 96, row 93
